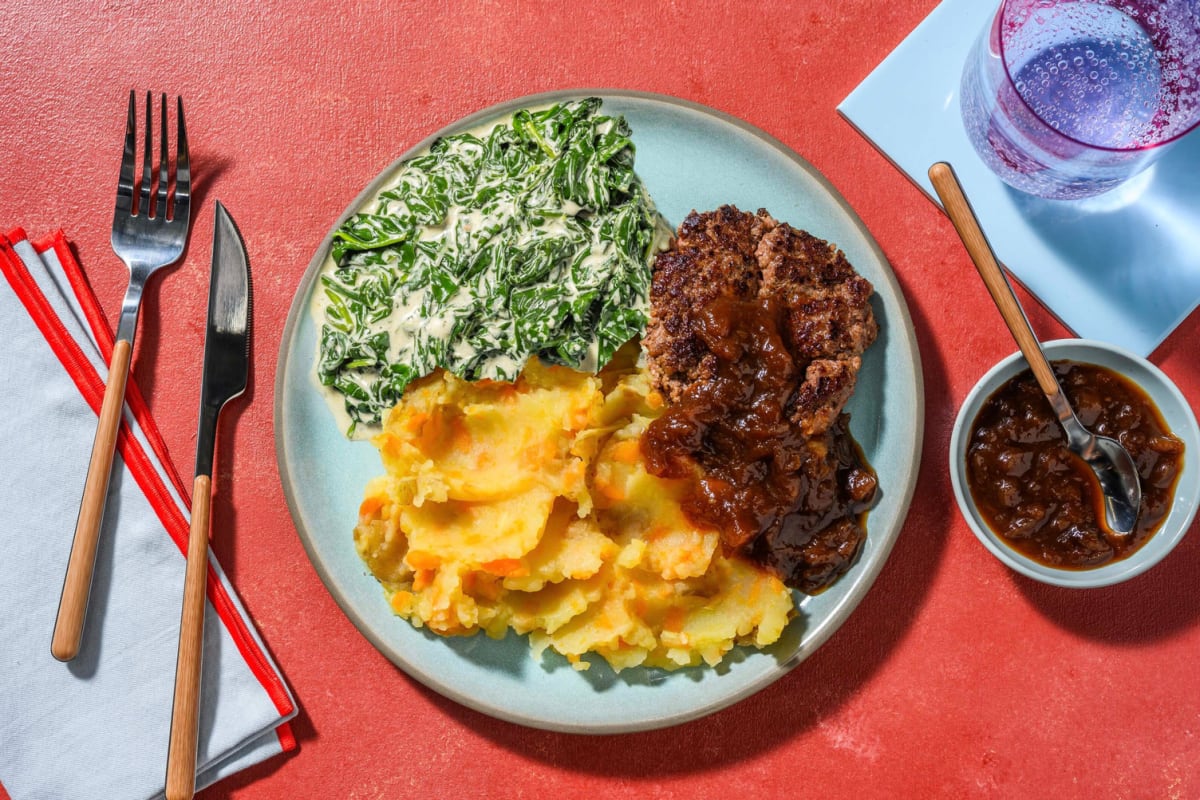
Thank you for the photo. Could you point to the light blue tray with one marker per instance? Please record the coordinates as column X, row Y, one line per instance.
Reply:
column 1123, row 267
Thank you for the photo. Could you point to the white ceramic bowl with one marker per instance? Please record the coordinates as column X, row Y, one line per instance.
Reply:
column 1175, row 411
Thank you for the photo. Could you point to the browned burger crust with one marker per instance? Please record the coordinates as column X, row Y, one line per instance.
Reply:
column 714, row 254
column 829, row 310
column 755, row 339
column 828, row 321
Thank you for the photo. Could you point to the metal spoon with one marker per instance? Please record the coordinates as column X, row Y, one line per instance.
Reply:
column 1114, row 468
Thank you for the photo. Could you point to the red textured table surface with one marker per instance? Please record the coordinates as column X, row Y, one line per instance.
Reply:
column 954, row 678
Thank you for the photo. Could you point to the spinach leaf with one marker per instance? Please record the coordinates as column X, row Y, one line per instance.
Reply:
column 532, row 239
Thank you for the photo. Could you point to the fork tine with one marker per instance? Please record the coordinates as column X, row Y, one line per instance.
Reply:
column 183, row 170
column 147, row 164
column 125, row 181
column 161, row 207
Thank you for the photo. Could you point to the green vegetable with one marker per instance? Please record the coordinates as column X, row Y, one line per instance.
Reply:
column 536, row 239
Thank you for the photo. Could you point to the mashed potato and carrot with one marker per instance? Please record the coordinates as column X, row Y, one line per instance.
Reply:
column 526, row 505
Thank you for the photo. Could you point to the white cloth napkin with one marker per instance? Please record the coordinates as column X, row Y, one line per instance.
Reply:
column 98, row 727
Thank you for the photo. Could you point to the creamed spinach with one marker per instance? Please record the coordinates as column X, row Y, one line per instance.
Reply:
column 533, row 238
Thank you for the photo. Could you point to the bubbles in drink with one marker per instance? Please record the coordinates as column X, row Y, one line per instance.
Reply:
column 1067, row 98
column 1097, row 91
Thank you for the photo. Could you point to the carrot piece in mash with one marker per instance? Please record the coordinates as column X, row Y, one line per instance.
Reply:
column 613, row 492
column 627, row 452
column 419, row 559
column 369, row 506
column 674, row 619
column 505, row 567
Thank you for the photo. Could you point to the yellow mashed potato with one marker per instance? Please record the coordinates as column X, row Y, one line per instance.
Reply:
column 528, row 506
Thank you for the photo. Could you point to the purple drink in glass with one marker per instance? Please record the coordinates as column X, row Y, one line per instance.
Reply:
column 1067, row 99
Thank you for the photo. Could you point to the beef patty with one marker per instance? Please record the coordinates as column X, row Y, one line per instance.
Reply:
column 755, row 340
column 727, row 252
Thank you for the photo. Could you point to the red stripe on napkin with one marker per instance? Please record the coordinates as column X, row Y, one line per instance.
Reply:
column 105, row 339
column 147, row 477
column 47, row 322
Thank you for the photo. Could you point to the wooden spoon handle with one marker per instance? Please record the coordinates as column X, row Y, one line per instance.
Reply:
column 77, row 585
column 185, row 714
column 958, row 208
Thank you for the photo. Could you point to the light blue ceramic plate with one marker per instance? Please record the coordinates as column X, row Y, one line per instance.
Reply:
column 690, row 157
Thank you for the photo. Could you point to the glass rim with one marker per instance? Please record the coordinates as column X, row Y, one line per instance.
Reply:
column 998, row 24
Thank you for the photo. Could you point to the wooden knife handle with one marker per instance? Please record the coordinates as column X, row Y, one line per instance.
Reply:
column 185, row 716
column 77, row 586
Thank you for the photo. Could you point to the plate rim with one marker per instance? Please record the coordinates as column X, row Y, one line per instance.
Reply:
column 829, row 625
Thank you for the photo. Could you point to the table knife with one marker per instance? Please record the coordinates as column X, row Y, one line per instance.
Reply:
column 226, row 365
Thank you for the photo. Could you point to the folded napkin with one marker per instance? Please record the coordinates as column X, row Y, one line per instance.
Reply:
column 98, row 726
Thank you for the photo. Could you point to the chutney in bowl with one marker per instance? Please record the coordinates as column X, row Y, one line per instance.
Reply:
column 1034, row 505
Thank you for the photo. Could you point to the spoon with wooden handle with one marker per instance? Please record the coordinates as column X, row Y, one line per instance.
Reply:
column 1114, row 468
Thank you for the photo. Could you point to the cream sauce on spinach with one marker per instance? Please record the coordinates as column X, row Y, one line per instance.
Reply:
column 531, row 237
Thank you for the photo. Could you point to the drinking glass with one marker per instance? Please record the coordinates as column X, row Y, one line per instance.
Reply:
column 1068, row 98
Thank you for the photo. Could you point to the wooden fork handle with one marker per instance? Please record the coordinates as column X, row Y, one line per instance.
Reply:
column 77, row 586
column 185, row 716
column 958, row 208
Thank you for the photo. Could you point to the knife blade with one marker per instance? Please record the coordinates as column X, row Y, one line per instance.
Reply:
column 225, row 372
column 227, row 339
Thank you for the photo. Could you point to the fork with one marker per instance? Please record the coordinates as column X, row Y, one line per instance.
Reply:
column 146, row 239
